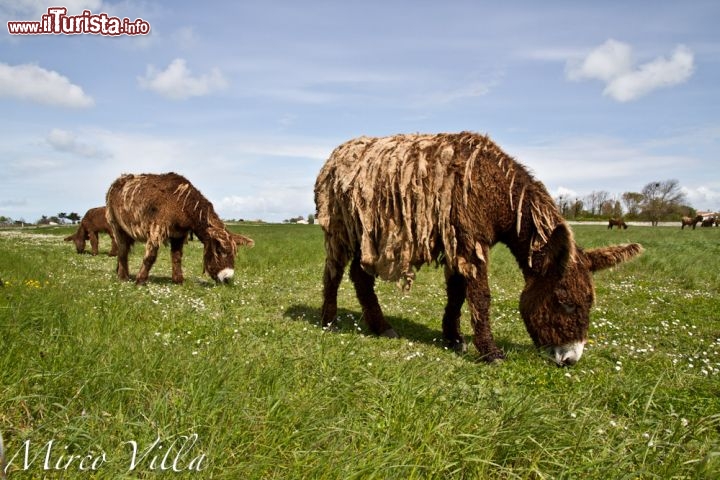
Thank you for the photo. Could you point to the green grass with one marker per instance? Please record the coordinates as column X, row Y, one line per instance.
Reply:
column 91, row 363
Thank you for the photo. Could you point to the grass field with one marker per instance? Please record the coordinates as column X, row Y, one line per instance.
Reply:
column 104, row 379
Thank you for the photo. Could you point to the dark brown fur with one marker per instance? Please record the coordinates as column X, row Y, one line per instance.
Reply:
column 708, row 222
column 687, row 221
column 167, row 207
column 617, row 222
column 92, row 223
column 389, row 205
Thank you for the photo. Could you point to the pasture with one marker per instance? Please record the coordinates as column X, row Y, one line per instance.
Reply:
column 105, row 379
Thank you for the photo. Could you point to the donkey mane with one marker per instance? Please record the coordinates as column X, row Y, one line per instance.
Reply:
column 413, row 219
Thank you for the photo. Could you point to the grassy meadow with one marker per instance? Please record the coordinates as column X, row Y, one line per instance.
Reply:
column 105, row 379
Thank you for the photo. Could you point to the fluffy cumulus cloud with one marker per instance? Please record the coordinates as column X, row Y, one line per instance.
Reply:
column 703, row 197
column 564, row 192
column 33, row 83
column 613, row 63
column 273, row 203
column 178, row 83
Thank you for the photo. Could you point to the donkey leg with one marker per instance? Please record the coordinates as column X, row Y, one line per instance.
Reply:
column 147, row 263
column 478, row 296
column 332, row 276
column 124, row 242
column 365, row 291
column 93, row 242
column 455, row 285
column 113, row 246
column 176, row 253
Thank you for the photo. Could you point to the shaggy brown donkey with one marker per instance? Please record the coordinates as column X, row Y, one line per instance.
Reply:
column 389, row 205
column 166, row 207
column 687, row 221
column 617, row 222
column 708, row 222
column 92, row 223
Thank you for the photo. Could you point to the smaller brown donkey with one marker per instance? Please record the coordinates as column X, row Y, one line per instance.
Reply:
column 92, row 223
column 167, row 207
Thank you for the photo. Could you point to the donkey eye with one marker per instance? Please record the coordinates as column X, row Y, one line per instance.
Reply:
column 569, row 307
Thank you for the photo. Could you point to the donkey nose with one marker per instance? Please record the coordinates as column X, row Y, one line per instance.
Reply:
column 568, row 354
column 225, row 275
column 568, row 360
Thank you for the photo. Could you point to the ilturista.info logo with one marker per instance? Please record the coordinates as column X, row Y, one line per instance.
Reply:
column 57, row 22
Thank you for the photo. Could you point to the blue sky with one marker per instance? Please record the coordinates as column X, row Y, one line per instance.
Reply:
column 247, row 99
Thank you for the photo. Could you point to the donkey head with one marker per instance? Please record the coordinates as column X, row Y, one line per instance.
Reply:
column 78, row 238
column 559, row 292
column 219, row 255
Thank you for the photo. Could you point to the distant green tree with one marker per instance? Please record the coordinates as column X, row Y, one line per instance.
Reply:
column 661, row 199
column 73, row 217
column 633, row 202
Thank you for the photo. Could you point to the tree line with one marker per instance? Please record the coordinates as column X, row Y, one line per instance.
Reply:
column 59, row 219
column 656, row 202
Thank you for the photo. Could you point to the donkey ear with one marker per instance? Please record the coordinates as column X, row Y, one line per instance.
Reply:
column 241, row 240
column 558, row 250
column 606, row 257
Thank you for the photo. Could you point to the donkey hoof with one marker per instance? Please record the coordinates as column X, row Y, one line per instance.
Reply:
column 493, row 357
column 458, row 346
column 331, row 327
column 390, row 333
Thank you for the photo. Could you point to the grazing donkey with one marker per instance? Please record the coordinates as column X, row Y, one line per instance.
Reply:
column 166, row 207
column 687, row 221
column 92, row 223
column 389, row 205
column 617, row 222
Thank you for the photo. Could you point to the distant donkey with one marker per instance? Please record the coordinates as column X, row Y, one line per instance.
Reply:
column 91, row 224
column 167, row 207
column 617, row 222
column 687, row 221
column 708, row 222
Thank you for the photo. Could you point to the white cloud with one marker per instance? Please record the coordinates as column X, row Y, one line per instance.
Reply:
column 565, row 192
column 659, row 73
column 607, row 62
column 613, row 63
column 703, row 197
column 177, row 82
column 584, row 164
column 65, row 141
column 269, row 203
column 33, row 83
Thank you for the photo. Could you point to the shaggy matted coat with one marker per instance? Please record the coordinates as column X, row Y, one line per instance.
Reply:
column 617, row 222
column 390, row 205
column 688, row 221
column 166, row 207
column 92, row 223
